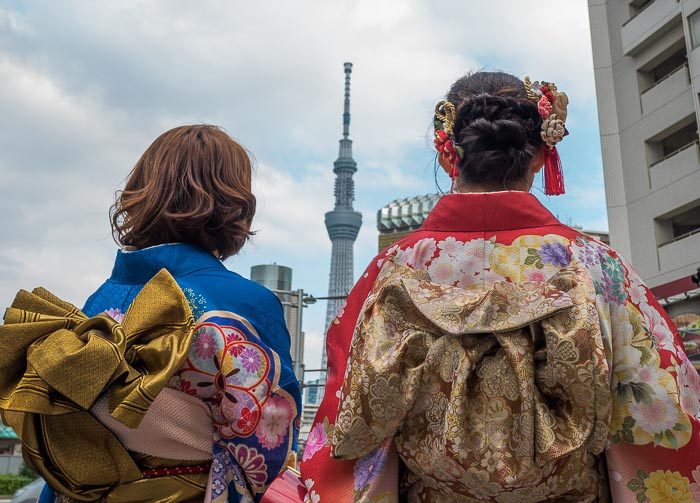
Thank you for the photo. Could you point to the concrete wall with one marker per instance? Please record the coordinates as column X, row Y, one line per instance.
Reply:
column 10, row 464
column 642, row 187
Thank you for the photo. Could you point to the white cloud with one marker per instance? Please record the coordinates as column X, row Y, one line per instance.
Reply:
column 87, row 86
column 285, row 204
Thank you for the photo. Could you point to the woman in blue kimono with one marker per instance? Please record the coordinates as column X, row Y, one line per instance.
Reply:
column 224, row 423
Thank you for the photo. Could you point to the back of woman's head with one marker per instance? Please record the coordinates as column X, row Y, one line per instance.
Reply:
column 192, row 185
column 496, row 126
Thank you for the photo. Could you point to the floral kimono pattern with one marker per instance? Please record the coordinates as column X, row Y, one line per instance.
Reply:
column 230, row 369
column 238, row 363
column 475, row 242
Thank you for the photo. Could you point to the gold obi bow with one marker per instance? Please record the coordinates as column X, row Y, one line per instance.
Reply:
column 477, row 387
column 56, row 363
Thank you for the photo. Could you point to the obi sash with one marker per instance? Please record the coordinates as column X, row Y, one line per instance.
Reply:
column 483, row 392
column 78, row 391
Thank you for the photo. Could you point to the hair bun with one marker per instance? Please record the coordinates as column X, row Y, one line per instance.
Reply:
column 499, row 135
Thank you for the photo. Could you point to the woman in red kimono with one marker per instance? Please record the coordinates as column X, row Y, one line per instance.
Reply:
column 497, row 354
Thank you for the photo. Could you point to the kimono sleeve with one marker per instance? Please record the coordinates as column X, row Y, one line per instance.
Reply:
column 254, row 399
column 385, row 367
column 654, row 434
column 374, row 476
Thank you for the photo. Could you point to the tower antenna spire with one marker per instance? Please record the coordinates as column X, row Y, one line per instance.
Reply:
column 346, row 110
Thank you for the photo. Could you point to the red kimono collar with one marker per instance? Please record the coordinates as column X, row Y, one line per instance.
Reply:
column 488, row 211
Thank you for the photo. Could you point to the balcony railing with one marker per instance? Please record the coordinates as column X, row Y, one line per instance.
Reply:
column 682, row 236
column 638, row 12
column 675, row 152
column 681, row 252
column 653, row 19
column 670, row 74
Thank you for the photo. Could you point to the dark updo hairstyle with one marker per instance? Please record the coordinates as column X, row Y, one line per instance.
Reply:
column 192, row 185
column 497, row 126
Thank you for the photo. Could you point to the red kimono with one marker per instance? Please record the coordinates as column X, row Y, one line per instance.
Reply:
column 478, row 244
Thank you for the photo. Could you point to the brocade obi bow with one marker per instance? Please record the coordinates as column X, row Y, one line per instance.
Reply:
column 56, row 363
column 483, row 392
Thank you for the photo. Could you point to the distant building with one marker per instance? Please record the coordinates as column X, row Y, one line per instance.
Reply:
column 9, row 441
column 308, row 413
column 278, row 278
column 400, row 217
column 314, row 393
column 646, row 56
column 602, row 236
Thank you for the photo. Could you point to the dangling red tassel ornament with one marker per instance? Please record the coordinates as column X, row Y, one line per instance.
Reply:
column 553, row 173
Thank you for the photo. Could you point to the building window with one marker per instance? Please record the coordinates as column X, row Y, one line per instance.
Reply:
column 679, row 226
column 673, row 61
column 669, row 143
column 694, row 26
column 686, row 223
column 669, row 65
column 637, row 6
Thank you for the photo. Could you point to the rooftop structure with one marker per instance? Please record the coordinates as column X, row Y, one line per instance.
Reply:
column 278, row 278
column 402, row 216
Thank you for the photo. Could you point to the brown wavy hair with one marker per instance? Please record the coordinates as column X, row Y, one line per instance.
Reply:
column 192, row 185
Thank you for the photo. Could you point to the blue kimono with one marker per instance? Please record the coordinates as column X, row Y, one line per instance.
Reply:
column 239, row 362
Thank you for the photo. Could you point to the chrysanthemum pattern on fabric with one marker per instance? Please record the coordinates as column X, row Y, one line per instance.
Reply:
column 654, row 388
column 237, row 376
column 238, row 364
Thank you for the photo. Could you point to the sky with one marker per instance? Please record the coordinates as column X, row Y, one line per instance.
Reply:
column 86, row 86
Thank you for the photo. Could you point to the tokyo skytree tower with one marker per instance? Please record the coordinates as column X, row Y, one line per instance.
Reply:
column 343, row 223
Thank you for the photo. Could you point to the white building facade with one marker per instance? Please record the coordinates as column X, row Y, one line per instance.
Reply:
column 646, row 57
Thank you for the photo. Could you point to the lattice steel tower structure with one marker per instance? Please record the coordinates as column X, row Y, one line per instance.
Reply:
column 343, row 223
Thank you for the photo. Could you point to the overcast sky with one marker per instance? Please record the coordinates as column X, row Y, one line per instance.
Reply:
column 86, row 86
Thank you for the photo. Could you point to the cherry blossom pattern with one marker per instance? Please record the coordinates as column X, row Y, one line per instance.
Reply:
column 274, row 424
column 418, row 255
column 197, row 302
column 463, row 264
column 226, row 477
column 695, row 485
column 311, row 496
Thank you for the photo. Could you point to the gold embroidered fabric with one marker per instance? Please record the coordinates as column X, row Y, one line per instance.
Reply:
column 56, row 363
column 501, row 394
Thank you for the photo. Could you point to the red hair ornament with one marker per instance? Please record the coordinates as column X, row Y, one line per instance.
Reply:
column 551, row 105
column 553, row 173
column 444, row 121
column 448, row 151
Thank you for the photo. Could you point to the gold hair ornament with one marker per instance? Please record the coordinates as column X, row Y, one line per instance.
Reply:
column 446, row 114
column 445, row 144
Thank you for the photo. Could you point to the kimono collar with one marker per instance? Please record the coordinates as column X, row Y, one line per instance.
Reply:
column 139, row 266
column 488, row 211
